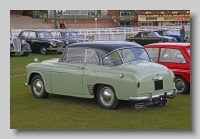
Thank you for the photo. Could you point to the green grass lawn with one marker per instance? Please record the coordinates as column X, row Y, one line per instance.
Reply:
column 64, row 112
column 187, row 32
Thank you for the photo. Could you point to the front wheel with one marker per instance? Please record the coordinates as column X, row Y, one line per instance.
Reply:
column 181, row 85
column 106, row 97
column 43, row 50
column 38, row 88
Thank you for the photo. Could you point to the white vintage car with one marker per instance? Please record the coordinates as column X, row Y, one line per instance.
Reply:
column 19, row 47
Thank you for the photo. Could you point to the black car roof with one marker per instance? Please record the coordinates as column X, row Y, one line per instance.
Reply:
column 104, row 47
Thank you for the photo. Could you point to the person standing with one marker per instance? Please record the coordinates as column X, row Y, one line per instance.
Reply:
column 182, row 33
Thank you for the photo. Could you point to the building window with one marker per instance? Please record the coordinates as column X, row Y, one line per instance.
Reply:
column 73, row 12
column 66, row 12
column 79, row 12
column 104, row 12
column 85, row 12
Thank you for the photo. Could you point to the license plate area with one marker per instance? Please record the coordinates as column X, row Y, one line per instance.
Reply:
column 158, row 85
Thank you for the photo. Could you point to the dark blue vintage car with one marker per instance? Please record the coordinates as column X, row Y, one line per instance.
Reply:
column 170, row 34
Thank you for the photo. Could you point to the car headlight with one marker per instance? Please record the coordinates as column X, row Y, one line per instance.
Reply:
column 53, row 43
column 67, row 42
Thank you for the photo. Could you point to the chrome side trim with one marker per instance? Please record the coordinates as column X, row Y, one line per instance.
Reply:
column 90, row 89
column 60, row 72
column 157, row 78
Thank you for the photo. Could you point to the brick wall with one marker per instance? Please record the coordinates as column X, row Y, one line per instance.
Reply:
column 15, row 12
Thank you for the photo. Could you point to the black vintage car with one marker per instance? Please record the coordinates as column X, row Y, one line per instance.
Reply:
column 19, row 47
column 42, row 41
column 70, row 36
column 148, row 37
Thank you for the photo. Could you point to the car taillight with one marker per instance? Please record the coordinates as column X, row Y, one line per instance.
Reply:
column 138, row 84
column 174, row 79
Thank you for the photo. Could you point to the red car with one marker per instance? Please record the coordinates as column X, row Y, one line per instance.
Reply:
column 175, row 56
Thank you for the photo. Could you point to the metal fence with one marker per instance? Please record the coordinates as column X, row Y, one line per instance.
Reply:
column 119, row 33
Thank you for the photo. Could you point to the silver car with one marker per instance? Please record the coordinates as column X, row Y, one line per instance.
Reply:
column 19, row 47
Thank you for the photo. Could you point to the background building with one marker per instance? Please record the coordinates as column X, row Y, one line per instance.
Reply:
column 106, row 18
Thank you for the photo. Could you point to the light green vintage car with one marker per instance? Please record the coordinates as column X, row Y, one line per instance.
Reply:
column 109, row 71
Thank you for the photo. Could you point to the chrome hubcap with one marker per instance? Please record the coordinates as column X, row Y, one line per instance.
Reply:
column 38, row 87
column 43, row 50
column 106, row 96
column 180, row 86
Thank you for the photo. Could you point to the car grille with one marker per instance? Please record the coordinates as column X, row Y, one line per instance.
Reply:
column 17, row 44
column 60, row 44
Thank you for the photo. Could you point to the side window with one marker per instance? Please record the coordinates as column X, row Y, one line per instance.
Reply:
column 171, row 55
column 138, row 35
column 41, row 35
column 127, row 55
column 112, row 59
column 32, row 35
column 145, row 35
column 56, row 34
column 74, row 55
column 91, row 57
column 24, row 35
column 153, row 53
column 160, row 33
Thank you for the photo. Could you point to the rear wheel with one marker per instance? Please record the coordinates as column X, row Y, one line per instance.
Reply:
column 106, row 97
column 38, row 87
column 181, row 85
column 43, row 50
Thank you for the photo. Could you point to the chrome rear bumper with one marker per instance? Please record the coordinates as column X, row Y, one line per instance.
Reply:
column 151, row 97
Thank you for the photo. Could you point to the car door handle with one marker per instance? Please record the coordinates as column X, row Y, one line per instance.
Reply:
column 81, row 67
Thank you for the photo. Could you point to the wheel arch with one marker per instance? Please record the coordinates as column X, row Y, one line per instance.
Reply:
column 32, row 75
column 96, row 87
column 176, row 74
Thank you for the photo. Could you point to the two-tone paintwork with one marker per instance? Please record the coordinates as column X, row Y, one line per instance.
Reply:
column 82, row 80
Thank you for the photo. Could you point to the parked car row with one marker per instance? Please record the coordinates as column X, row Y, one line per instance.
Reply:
column 43, row 41
column 158, row 36
column 150, row 71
